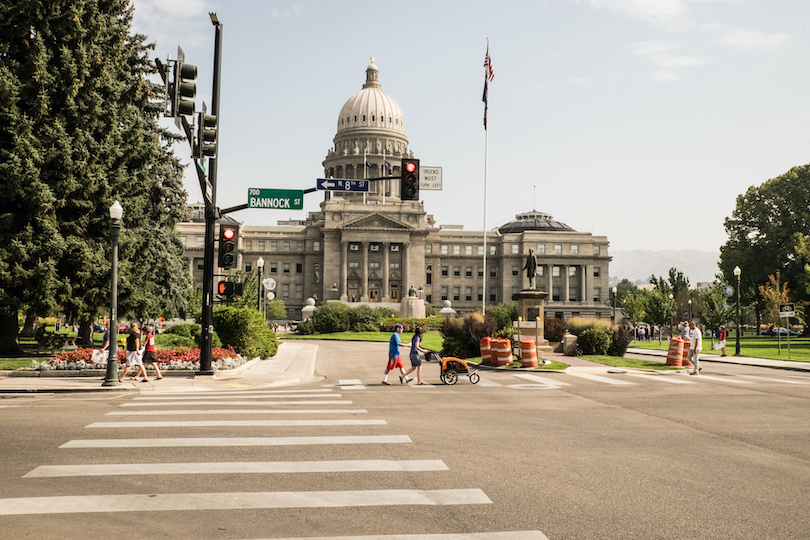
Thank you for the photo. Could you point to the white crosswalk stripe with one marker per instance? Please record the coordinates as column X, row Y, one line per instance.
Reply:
column 238, row 423
column 771, row 379
column 237, row 441
column 502, row 535
column 541, row 380
column 600, row 378
column 660, row 378
column 219, row 403
column 209, row 412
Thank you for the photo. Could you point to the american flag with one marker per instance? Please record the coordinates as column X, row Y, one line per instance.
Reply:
column 489, row 74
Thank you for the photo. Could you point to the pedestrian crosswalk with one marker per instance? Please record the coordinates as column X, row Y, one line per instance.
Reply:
column 177, row 413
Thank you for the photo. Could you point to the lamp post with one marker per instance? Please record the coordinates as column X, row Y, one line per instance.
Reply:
column 260, row 266
column 690, row 309
column 334, row 291
column 116, row 213
column 737, row 273
column 674, row 312
column 615, row 290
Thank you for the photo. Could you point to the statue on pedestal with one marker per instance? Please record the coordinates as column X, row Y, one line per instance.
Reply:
column 531, row 268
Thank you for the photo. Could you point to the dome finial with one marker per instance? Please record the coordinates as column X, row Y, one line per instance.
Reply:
column 372, row 59
column 371, row 75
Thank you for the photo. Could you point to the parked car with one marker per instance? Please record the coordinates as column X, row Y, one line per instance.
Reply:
column 782, row 331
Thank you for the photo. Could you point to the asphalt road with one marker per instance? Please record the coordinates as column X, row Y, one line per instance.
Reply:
column 562, row 456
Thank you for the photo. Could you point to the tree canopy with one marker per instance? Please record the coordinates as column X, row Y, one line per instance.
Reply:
column 79, row 130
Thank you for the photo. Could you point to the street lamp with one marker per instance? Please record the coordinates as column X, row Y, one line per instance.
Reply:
column 673, row 312
column 690, row 309
column 260, row 266
column 116, row 213
column 334, row 291
column 615, row 290
column 737, row 273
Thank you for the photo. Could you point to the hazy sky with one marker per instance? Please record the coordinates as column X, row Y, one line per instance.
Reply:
column 639, row 120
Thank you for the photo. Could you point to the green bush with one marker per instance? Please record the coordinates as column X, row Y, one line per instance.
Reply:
column 504, row 314
column 462, row 336
column 594, row 340
column 306, row 328
column 332, row 317
column 365, row 319
column 577, row 325
column 172, row 341
column 244, row 329
column 554, row 329
column 191, row 331
column 620, row 342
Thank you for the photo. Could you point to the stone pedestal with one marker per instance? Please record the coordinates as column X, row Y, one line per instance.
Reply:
column 412, row 307
column 530, row 309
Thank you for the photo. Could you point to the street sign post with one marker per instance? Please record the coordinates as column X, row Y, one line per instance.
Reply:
column 430, row 178
column 277, row 199
column 334, row 184
column 787, row 310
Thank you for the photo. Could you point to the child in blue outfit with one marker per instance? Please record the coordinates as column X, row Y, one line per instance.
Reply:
column 394, row 357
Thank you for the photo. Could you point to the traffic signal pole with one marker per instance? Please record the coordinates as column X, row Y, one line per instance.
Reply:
column 206, row 336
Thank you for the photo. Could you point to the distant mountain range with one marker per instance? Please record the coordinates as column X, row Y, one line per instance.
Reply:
column 639, row 265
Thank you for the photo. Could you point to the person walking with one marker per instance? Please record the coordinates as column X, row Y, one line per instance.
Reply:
column 416, row 360
column 683, row 328
column 394, row 357
column 695, row 346
column 133, row 352
column 149, row 356
column 721, row 344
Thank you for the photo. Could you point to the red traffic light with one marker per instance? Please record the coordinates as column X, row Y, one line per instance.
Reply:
column 410, row 166
column 228, row 234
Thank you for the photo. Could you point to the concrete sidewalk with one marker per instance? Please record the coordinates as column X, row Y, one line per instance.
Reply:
column 294, row 363
column 739, row 360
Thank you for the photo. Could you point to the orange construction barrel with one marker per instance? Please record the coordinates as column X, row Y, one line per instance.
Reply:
column 503, row 352
column 675, row 354
column 528, row 353
column 485, row 345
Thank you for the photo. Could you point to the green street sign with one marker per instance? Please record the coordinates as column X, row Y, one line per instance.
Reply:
column 277, row 199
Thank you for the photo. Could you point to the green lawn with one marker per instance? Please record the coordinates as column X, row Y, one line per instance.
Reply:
column 751, row 346
column 430, row 340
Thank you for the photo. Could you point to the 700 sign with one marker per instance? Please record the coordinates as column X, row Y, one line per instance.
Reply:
column 278, row 199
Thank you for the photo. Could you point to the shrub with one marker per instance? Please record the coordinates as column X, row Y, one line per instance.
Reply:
column 504, row 314
column 306, row 328
column 190, row 331
column 576, row 325
column 462, row 336
column 365, row 319
column 332, row 317
column 554, row 329
column 594, row 340
column 244, row 329
column 621, row 340
column 171, row 341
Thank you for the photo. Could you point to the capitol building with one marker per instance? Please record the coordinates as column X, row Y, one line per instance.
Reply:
column 372, row 248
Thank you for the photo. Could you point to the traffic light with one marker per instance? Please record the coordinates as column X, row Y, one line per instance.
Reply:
column 228, row 236
column 409, row 184
column 183, row 87
column 206, row 144
column 225, row 288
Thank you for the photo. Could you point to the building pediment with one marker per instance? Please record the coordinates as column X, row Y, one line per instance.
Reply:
column 375, row 222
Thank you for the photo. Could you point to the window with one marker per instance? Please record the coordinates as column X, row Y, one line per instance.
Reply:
column 394, row 265
column 541, row 249
column 515, row 249
column 572, row 271
column 597, row 294
column 480, row 294
column 183, row 241
column 354, row 247
column 429, row 298
column 456, row 293
column 480, row 271
column 493, row 272
column 274, row 268
column 354, row 264
column 273, row 245
column 480, row 251
column 456, row 271
column 286, row 245
column 200, row 241
column 493, row 294
column 572, row 294
column 493, row 250
column 596, row 251
column 444, row 293
column 394, row 247
column 456, row 250
column 285, row 291
column 429, row 250
column 559, row 315
column 468, row 294
column 299, row 246
column 444, row 249
column 299, row 268
column 200, row 264
column 596, row 270
column 249, row 245
column 557, row 249
column 376, row 265
column 286, row 268
column 555, row 294
column 429, row 279
column 248, row 268
column 574, row 249
column 299, row 291
column 514, row 291
column 468, row 250
column 374, row 247
column 515, row 270
column 260, row 245
column 444, row 271
column 468, row 271
column 555, row 271
column 540, row 271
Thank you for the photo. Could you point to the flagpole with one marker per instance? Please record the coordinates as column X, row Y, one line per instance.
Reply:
column 365, row 171
column 488, row 76
column 385, row 173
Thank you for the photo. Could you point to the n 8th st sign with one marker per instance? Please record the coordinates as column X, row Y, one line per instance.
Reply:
column 277, row 199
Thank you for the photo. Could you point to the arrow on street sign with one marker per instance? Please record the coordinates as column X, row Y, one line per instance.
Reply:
column 333, row 184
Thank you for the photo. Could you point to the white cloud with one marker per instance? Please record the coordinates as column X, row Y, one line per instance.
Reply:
column 662, row 56
column 744, row 40
column 646, row 10
column 285, row 13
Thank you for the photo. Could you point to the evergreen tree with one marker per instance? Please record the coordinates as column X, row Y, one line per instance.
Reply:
column 78, row 130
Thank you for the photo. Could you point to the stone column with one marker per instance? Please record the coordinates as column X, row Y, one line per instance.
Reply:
column 550, row 268
column 567, row 284
column 344, row 271
column 405, row 259
column 588, row 269
column 386, row 247
column 364, row 292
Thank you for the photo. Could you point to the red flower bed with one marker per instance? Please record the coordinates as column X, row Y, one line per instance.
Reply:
column 164, row 356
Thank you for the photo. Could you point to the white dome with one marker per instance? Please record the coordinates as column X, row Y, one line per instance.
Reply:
column 371, row 108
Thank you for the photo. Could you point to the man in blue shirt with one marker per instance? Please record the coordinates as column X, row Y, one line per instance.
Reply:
column 394, row 357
